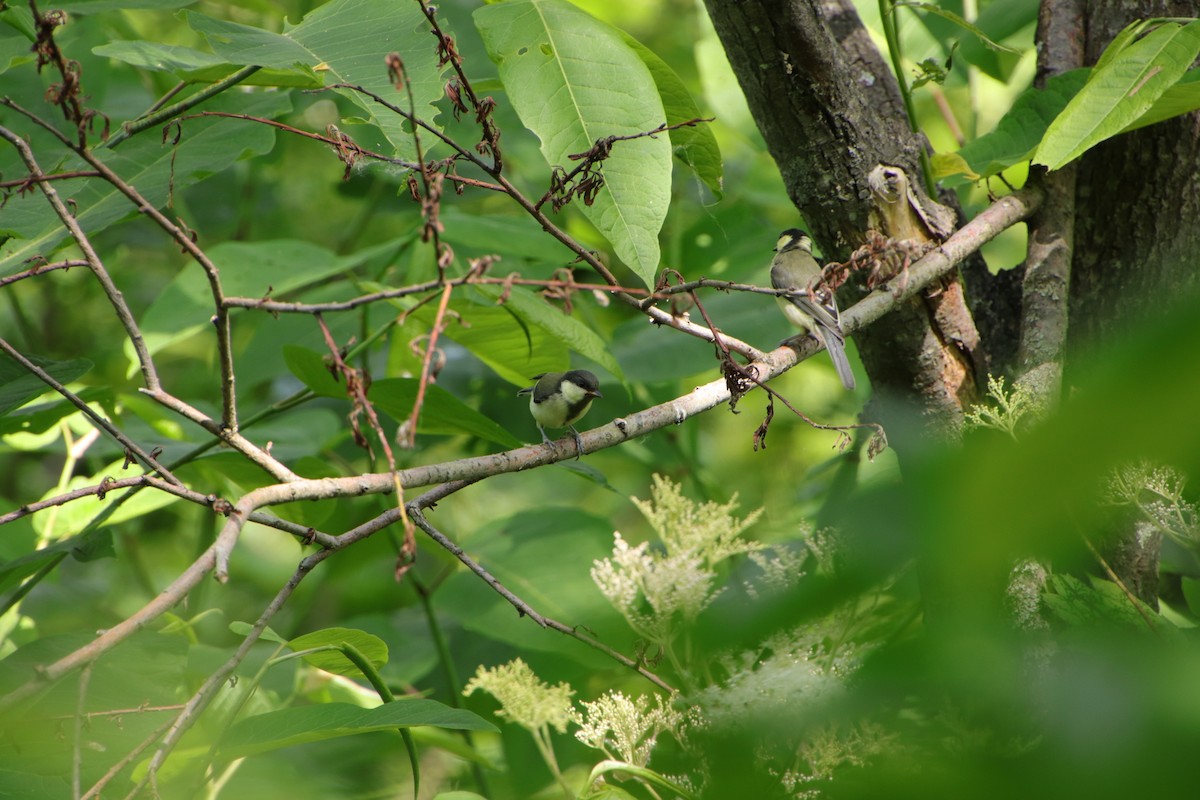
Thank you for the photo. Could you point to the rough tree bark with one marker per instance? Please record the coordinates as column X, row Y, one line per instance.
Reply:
column 1112, row 242
column 1137, row 237
column 830, row 113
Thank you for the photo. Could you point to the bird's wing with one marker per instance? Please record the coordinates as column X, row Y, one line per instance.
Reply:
column 529, row 389
column 826, row 314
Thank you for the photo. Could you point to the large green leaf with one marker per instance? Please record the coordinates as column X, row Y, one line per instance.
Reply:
column 1019, row 132
column 157, row 56
column 574, row 80
column 694, row 145
column 292, row 726
column 207, row 146
column 499, row 338
column 197, row 66
column 248, row 269
column 441, row 413
column 544, row 557
column 1122, row 88
column 18, row 386
column 567, row 329
column 511, row 237
column 96, row 6
column 333, row 660
column 348, row 40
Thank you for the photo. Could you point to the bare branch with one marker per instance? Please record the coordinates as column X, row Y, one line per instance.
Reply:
column 149, row 374
column 130, row 446
column 416, row 511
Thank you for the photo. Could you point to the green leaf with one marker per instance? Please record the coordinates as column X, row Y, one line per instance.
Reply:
column 998, row 21
column 73, row 517
column 292, row 726
column 499, row 338
column 574, row 80
column 313, row 371
column 248, row 269
column 441, row 412
column 157, row 57
column 208, row 146
column 268, row 635
column 374, row 648
column 1182, row 98
column 1019, row 132
column 96, row 6
column 12, row 573
column 235, row 43
column 570, row 331
column 694, row 145
column 18, row 386
column 619, row 769
column 930, row 8
column 347, row 40
column 1099, row 604
column 545, row 558
column 517, row 236
column 20, row 19
column 197, row 66
column 1121, row 89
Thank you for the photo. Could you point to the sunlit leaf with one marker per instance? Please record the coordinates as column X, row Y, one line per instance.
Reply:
column 292, row 726
column 332, row 660
column 1120, row 91
column 18, row 386
column 352, row 54
column 1019, row 132
column 694, row 145
column 574, row 80
column 207, row 146
column 577, row 336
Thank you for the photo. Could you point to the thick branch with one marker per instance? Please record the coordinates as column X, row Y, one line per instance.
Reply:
column 1046, row 287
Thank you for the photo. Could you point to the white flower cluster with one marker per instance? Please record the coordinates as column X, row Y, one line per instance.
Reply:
column 627, row 729
column 658, row 590
column 524, row 698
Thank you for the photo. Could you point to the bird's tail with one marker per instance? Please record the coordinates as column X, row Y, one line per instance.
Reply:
column 835, row 343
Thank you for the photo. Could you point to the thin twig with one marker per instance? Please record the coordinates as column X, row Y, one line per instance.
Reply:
column 41, row 268
column 282, row 307
column 195, row 706
column 155, row 117
column 130, row 446
column 427, row 364
column 85, row 677
column 21, row 184
column 116, row 299
column 344, row 142
column 417, row 514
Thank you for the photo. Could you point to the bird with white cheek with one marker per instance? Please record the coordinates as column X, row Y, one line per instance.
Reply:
column 796, row 269
column 560, row 399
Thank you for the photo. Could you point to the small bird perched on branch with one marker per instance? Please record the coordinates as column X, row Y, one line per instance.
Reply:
column 813, row 310
column 560, row 399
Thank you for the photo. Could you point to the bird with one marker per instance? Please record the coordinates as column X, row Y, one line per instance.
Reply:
column 560, row 399
column 814, row 311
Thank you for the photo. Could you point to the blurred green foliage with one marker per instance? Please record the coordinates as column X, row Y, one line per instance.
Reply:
column 888, row 664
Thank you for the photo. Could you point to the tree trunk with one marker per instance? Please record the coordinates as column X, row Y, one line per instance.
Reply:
column 830, row 113
column 1137, row 236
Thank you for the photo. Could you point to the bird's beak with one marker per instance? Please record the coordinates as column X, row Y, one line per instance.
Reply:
column 595, row 393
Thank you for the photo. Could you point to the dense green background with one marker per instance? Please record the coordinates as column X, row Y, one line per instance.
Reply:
column 966, row 705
